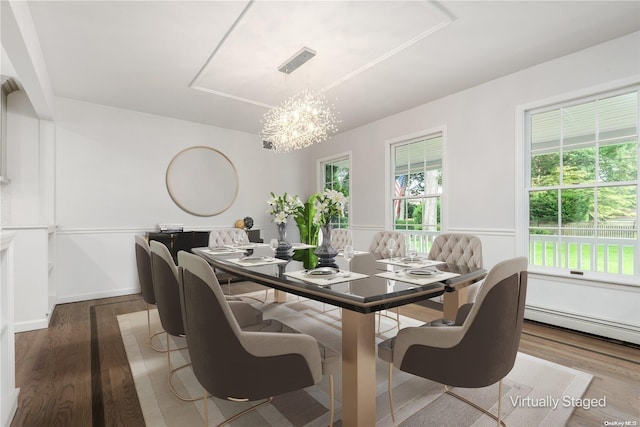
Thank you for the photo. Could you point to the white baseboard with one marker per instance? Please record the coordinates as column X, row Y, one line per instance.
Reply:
column 98, row 295
column 9, row 407
column 601, row 327
column 31, row 325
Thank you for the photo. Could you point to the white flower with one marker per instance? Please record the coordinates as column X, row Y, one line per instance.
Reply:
column 330, row 203
column 283, row 206
column 281, row 217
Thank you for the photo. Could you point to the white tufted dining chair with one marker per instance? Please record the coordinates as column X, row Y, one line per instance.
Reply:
column 341, row 237
column 378, row 245
column 226, row 236
column 454, row 248
column 460, row 249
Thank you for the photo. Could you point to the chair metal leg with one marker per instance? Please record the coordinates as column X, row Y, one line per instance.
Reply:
column 393, row 416
column 332, row 403
column 152, row 336
column 498, row 418
column 246, row 411
column 173, row 371
column 324, row 308
column 397, row 319
column 206, row 408
column 206, row 396
column 173, row 390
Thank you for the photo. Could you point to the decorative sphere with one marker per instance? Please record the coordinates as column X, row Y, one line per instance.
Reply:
column 239, row 224
column 248, row 222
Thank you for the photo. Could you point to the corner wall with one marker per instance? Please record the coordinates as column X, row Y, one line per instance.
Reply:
column 110, row 185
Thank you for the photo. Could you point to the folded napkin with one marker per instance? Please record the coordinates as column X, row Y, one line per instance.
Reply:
column 410, row 262
column 404, row 277
column 324, row 281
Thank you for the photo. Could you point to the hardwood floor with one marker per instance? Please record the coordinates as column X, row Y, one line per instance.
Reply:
column 76, row 373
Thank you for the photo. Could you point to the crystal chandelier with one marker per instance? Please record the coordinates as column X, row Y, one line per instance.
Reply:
column 301, row 120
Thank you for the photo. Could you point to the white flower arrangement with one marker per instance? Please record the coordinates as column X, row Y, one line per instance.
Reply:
column 329, row 204
column 281, row 207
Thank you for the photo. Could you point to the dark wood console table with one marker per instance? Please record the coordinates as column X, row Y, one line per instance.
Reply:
column 186, row 240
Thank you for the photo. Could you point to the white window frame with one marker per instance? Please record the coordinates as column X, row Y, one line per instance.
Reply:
column 320, row 178
column 390, row 175
column 522, row 162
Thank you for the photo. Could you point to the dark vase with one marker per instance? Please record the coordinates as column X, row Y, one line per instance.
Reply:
column 284, row 247
column 325, row 252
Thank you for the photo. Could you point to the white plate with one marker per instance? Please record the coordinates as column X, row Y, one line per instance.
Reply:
column 219, row 250
column 420, row 272
column 415, row 260
column 323, row 272
column 255, row 259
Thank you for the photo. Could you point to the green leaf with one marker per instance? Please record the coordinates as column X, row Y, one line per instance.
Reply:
column 308, row 233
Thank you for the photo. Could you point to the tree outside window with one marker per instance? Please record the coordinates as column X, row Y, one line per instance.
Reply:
column 417, row 189
column 336, row 177
column 583, row 185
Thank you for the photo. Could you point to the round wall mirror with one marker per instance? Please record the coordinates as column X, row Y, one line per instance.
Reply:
column 202, row 181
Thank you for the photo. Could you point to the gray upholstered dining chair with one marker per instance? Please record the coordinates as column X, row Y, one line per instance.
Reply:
column 238, row 365
column 166, row 281
column 378, row 246
column 341, row 237
column 143, row 261
column 479, row 350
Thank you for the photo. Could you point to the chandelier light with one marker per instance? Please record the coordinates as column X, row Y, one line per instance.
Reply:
column 301, row 120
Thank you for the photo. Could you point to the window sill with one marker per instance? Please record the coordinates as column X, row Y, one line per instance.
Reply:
column 588, row 278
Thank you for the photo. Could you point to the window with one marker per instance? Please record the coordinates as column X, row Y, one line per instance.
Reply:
column 335, row 176
column 582, row 185
column 416, row 190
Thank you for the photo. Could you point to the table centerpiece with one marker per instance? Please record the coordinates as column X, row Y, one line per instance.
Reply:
column 281, row 207
column 329, row 204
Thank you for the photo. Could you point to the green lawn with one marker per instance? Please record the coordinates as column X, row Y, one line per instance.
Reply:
column 583, row 251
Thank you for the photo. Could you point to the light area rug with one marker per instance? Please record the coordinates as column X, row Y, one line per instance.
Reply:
column 418, row 402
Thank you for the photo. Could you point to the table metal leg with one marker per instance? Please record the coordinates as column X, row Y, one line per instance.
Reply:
column 279, row 296
column 358, row 369
column 452, row 301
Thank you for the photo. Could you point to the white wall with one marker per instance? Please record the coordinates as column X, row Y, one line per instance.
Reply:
column 28, row 211
column 23, row 160
column 110, row 185
column 480, row 168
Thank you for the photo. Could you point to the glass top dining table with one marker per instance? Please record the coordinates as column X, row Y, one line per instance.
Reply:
column 360, row 298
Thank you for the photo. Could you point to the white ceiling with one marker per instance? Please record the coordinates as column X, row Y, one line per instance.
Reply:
column 216, row 62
